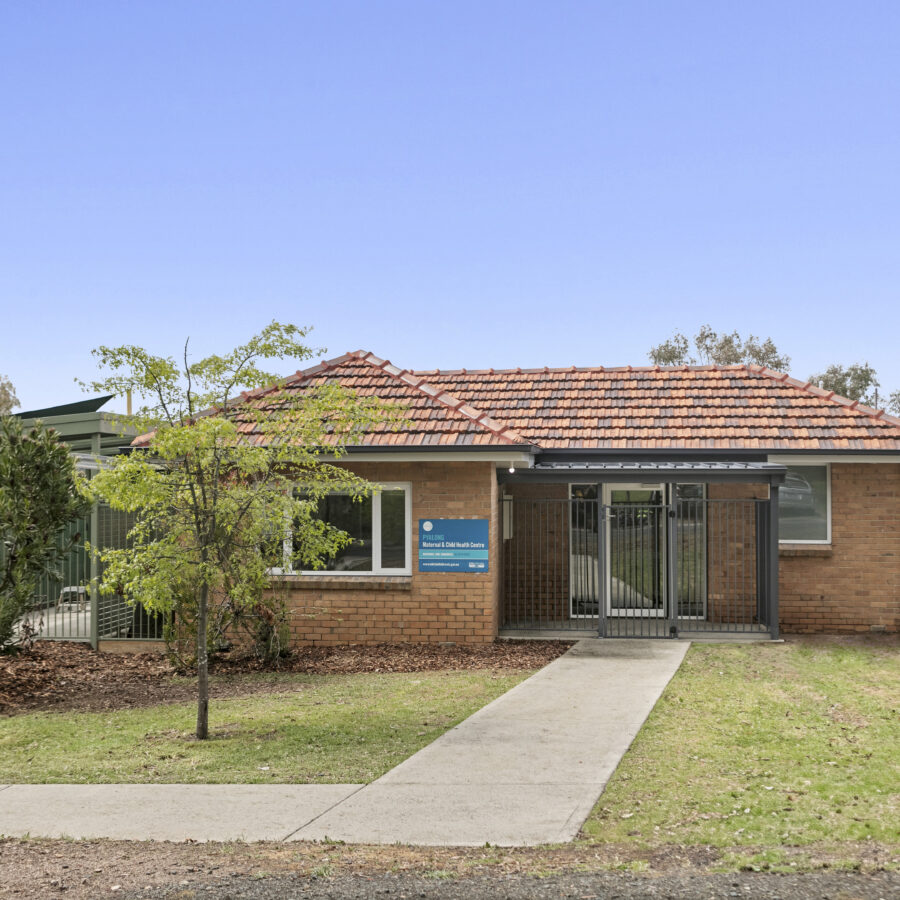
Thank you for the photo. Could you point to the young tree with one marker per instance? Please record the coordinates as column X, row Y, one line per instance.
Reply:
column 856, row 382
column 722, row 350
column 220, row 476
column 8, row 399
column 40, row 493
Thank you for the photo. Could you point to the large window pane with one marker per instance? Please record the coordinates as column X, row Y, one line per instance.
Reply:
column 354, row 517
column 393, row 529
column 803, row 504
column 381, row 519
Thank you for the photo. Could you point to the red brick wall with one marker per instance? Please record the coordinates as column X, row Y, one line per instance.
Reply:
column 536, row 555
column 424, row 607
column 853, row 585
column 731, row 583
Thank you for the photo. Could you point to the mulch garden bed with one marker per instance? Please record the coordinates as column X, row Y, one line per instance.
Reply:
column 66, row 676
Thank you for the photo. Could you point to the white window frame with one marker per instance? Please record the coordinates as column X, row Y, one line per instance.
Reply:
column 377, row 570
column 807, row 463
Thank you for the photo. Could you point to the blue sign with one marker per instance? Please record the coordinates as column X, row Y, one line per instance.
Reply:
column 453, row 545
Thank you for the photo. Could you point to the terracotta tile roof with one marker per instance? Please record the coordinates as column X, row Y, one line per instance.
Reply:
column 703, row 407
column 433, row 416
column 684, row 408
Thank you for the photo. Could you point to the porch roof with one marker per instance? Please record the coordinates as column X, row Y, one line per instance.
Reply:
column 685, row 472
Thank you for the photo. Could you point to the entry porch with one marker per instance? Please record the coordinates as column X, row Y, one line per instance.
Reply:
column 641, row 549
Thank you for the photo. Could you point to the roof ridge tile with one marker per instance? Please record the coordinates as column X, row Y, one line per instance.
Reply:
column 444, row 397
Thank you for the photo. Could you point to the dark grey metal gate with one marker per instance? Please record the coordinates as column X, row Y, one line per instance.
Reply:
column 638, row 569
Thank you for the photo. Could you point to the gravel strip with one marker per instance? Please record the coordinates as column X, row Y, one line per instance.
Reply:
column 820, row 885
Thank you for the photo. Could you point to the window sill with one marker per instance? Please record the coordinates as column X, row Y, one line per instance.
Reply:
column 344, row 582
column 790, row 551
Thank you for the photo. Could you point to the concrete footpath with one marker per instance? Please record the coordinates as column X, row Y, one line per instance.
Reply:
column 526, row 769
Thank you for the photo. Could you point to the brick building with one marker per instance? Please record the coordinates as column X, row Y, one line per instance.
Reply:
column 639, row 501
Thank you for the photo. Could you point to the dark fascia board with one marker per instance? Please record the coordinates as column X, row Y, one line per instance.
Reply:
column 651, row 455
column 842, row 452
column 585, row 456
column 708, row 455
column 773, row 475
column 491, row 449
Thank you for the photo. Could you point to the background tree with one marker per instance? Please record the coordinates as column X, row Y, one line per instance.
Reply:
column 894, row 403
column 8, row 399
column 209, row 502
column 719, row 349
column 856, row 382
column 40, row 493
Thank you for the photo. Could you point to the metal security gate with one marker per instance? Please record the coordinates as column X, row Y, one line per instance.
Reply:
column 636, row 566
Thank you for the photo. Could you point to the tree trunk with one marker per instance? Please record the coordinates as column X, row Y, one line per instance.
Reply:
column 202, row 668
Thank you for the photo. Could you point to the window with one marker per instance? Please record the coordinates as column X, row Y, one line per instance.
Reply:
column 380, row 526
column 804, row 506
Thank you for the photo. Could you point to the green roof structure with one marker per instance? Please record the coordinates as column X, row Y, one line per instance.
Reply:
column 84, row 427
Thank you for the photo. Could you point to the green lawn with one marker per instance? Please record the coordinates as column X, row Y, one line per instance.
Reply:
column 761, row 748
column 316, row 728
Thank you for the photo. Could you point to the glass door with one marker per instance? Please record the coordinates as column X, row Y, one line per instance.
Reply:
column 636, row 549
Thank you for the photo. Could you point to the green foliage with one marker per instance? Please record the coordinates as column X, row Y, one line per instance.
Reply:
column 40, row 493
column 213, row 504
column 856, row 382
column 8, row 399
column 894, row 403
column 719, row 349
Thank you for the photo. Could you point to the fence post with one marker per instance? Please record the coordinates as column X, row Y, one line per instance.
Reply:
column 602, row 562
column 501, row 561
column 95, row 561
column 762, row 555
column 95, row 572
column 772, row 551
column 671, row 519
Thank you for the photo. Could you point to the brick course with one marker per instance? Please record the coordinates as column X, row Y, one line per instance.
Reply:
column 421, row 608
column 536, row 555
column 853, row 585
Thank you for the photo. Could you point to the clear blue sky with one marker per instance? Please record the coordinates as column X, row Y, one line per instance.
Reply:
column 447, row 184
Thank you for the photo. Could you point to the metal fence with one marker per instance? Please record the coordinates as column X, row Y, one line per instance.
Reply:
column 61, row 607
column 117, row 618
column 65, row 605
column 638, row 569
